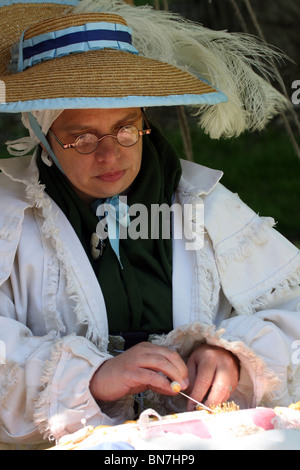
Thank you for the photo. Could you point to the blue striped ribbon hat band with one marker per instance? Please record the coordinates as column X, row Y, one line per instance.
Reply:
column 53, row 59
column 87, row 37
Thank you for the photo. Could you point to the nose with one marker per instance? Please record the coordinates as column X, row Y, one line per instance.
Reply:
column 108, row 149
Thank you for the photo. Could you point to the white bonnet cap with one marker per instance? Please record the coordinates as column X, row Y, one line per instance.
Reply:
column 24, row 145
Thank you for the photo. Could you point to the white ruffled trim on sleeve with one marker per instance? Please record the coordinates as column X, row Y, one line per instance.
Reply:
column 257, row 382
column 66, row 399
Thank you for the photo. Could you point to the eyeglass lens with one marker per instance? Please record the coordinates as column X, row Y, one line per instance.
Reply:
column 126, row 136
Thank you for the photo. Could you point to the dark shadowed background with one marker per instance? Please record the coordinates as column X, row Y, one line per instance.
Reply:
column 264, row 168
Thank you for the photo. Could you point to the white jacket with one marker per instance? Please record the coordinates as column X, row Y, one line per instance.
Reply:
column 239, row 291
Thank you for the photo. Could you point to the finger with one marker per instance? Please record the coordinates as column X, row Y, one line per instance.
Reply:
column 221, row 389
column 219, row 393
column 146, row 379
column 173, row 357
column 192, row 371
column 225, row 382
column 169, row 370
column 165, row 361
column 202, row 385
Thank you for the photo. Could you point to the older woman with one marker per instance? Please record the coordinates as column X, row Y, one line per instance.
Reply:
column 94, row 316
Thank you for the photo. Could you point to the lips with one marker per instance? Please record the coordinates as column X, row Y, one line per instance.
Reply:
column 112, row 176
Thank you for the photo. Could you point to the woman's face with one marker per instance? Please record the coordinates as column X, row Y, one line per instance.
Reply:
column 111, row 168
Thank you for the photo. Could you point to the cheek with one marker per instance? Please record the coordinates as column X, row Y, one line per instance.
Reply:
column 75, row 168
column 136, row 168
column 137, row 160
column 79, row 173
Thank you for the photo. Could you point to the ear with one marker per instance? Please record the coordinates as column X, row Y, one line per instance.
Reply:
column 42, row 138
column 46, row 157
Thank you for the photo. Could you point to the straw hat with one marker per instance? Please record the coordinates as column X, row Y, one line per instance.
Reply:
column 51, row 58
column 59, row 54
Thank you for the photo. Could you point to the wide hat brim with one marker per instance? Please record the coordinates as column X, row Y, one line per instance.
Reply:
column 95, row 79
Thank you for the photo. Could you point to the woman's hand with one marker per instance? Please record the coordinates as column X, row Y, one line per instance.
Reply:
column 144, row 366
column 213, row 374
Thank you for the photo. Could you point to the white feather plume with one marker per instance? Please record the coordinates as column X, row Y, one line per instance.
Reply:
column 229, row 61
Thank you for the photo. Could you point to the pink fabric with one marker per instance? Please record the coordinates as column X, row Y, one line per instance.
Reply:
column 263, row 417
column 195, row 427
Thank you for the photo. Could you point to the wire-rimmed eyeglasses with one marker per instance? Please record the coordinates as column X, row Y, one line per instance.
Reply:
column 127, row 136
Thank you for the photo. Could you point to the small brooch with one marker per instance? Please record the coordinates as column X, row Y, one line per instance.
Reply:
column 97, row 246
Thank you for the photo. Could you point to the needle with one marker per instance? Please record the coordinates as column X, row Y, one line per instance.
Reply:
column 198, row 402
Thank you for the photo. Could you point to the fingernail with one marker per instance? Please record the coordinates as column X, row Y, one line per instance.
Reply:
column 186, row 383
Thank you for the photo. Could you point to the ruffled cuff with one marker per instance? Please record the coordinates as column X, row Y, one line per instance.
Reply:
column 66, row 401
column 257, row 382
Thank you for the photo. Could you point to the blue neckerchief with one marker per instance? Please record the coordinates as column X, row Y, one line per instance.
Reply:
column 115, row 213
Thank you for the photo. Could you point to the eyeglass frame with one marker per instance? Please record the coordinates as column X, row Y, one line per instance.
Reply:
column 73, row 144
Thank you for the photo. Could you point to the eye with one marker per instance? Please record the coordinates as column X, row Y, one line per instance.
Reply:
column 128, row 135
column 86, row 143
